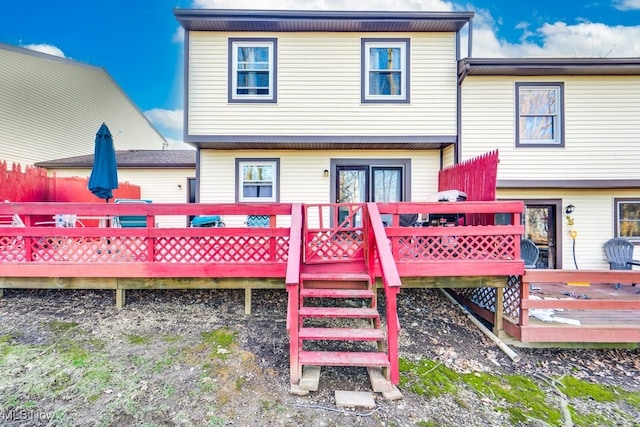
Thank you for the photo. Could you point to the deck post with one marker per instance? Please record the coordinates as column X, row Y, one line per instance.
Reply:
column 524, row 294
column 247, row 300
column 498, row 328
column 120, row 298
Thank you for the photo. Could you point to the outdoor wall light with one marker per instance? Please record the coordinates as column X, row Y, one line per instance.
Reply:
column 325, row 173
column 569, row 209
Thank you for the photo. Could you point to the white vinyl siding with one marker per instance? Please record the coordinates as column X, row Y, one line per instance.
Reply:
column 301, row 174
column 52, row 108
column 593, row 221
column 319, row 93
column 601, row 128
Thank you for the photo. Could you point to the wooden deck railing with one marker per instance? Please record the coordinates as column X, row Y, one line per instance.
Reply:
column 616, row 315
column 455, row 238
column 379, row 250
column 49, row 251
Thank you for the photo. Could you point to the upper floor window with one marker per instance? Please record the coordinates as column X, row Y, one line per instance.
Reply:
column 627, row 216
column 257, row 180
column 539, row 114
column 252, row 70
column 385, row 70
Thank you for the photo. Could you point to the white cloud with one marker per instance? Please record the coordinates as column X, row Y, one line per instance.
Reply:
column 562, row 40
column 46, row 48
column 558, row 39
column 627, row 4
column 178, row 36
column 168, row 119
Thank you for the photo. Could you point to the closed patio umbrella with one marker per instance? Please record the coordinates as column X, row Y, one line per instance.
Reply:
column 104, row 174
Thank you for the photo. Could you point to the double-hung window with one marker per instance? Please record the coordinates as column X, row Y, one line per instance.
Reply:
column 539, row 114
column 385, row 70
column 257, row 180
column 252, row 70
column 627, row 217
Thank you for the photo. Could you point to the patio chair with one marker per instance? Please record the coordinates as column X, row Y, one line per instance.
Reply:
column 619, row 253
column 529, row 253
column 130, row 221
column 259, row 221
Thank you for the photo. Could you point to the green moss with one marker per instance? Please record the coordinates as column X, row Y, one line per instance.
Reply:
column 221, row 337
column 580, row 389
column 524, row 397
column 428, row 378
column 138, row 339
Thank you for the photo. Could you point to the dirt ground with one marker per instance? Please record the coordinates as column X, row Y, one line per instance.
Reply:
column 193, row 358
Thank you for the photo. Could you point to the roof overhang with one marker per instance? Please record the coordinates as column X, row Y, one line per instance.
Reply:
column 548, row 67
column 320, row 142
column 320, row 20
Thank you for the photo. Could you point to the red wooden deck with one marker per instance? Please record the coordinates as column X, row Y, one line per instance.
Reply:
column 471, row 247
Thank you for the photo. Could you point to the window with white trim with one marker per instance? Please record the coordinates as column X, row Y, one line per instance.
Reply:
column 539, row 114
column 385, row 70
column 252, row 70
column 257, row 180
column 627, row 214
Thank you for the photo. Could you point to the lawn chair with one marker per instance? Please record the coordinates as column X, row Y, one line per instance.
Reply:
column 130, row 221
column 619, row 253
column 207, row 221
column 259, row 221
column 529, row 253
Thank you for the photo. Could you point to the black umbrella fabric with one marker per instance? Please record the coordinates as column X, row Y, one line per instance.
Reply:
column 104, row 174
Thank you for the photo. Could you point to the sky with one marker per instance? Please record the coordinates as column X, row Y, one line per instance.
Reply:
column 140, row 43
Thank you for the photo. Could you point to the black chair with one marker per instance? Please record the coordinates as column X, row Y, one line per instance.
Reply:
column 619, row 253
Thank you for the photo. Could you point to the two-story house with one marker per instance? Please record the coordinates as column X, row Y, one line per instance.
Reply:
column 336, row 106
column 321, row 107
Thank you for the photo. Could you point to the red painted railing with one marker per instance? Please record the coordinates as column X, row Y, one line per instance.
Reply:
column 333, row 233
column 620, row 330
column 292, row 283
column 49, row 251
column 443, row 243
column 378, row 250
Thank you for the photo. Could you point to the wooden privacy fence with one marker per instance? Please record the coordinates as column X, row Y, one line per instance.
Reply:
column 477, row 177
column 31, row 184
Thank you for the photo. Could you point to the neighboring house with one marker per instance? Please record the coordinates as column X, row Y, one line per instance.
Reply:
column 324, row 107
column 568, row 134
column 52, row 108
column 164, row 176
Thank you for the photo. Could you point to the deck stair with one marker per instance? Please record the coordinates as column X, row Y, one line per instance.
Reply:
column 338, row 318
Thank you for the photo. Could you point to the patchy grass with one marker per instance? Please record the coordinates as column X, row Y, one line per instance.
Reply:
column 521, row 397
column 138, row 339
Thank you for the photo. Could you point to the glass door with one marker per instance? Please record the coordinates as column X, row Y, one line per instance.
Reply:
column 540, row 226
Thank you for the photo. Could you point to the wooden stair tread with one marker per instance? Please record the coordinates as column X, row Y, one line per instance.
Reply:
column 336, row 293
column 354, row 334
column 343, row 358
column 335, row 275
column 339, row 312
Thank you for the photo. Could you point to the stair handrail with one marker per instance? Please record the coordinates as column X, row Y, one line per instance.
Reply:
column 292, row 283
column 379, row 244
